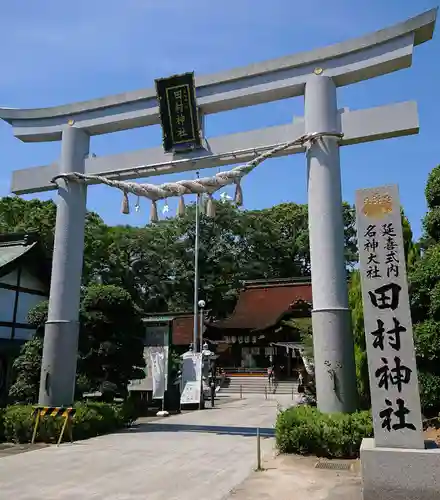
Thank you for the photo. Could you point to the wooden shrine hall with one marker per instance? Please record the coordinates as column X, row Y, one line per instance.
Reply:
column 24, row 283
column 265, row 328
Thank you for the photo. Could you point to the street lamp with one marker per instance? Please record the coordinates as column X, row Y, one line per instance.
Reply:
column 201, row 305
column 196, row 272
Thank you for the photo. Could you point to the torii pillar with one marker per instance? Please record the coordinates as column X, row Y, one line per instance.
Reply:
column 58, row 370
column 335, row 369
column 316, row 74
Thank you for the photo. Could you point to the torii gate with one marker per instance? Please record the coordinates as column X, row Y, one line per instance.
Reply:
column 315, row 74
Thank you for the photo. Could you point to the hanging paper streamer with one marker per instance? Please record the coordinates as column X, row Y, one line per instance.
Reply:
column 202, row 204
column 153, row 212
column 125, row 206
column 210, row 206
column 181, row 207
column 165, row 208
column 238, row 194
column 137, row 207
column 224, row 197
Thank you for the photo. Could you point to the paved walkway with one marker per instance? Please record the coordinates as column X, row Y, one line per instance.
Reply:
column 195, row 455
column 290, row 477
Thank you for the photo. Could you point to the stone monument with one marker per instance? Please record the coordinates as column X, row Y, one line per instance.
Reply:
column 395, row 464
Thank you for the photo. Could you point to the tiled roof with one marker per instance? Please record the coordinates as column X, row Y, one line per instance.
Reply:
column 183, row 328
column 262, row 305
column 23, row 248
column 9, row 253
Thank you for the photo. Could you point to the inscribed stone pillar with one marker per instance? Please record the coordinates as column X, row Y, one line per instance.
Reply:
column 388, row 328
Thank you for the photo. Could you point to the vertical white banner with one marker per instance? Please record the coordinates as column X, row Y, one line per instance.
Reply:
column 159, row 362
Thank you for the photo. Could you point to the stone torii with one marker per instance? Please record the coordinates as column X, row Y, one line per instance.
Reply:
column 316, row 75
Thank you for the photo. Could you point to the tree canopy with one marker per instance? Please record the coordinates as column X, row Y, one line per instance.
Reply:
column 425, row 300
column 110, row 350
column 155, row 264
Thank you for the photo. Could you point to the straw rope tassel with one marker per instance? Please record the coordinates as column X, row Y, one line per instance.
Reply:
column 125, row 205
column 238, row 194
column 208, row 185
column 153, row 212
column 181, row 207
column 210, row 206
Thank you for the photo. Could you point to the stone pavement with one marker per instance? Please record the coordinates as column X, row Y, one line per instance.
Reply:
column 184, row 457
column 288, row 477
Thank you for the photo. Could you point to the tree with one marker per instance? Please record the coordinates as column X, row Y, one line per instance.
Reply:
column 235, row 246
column 222, row 257
column 155, row 264
column 18, row 215
column 110, row 350
column 111, row 343
column 278, row 240
column 425, row 300
column 357, row 318
column 27, row 367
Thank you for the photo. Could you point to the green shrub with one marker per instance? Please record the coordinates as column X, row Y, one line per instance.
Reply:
column 17, row 423
column 429, row 384
column 127, row 411
column 2, row 430
column 427, row 341
column 91, row 419
column 305, row 430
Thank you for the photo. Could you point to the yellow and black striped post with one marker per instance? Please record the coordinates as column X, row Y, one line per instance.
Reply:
column 54, row 411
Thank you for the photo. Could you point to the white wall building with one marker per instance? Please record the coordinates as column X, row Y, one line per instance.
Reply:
column 24, row 282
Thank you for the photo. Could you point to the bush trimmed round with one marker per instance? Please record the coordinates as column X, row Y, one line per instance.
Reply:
column 91, row 419
column 305, row 430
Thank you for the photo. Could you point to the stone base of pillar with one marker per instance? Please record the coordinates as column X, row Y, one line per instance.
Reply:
column 335, row 370
column 58, row 372
column 399, row 473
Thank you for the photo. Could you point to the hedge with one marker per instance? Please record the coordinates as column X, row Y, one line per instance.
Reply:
column 305, row 430
column 2, row 432
column 91, row 419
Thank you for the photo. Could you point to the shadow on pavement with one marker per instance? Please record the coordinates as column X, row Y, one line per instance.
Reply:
column 265, row 432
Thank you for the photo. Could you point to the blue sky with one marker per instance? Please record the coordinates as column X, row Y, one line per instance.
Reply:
column 56, row 52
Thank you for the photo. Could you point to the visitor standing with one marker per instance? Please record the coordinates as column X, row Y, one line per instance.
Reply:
column 212, row 388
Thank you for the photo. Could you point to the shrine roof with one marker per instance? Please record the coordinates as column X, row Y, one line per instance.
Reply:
column 23, row 249
column 262, row 304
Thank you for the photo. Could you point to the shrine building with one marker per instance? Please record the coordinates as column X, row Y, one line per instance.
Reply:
column 265, row 329
column 24, row 282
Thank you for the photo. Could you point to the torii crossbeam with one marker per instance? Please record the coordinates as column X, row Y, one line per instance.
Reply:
column 315, row 74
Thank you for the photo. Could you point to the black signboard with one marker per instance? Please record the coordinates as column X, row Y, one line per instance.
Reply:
column 178, row 112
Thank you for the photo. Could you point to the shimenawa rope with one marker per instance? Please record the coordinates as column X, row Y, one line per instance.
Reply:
column 208, row 185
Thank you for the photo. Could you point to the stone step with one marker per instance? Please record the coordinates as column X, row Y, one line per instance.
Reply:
column 258, row 385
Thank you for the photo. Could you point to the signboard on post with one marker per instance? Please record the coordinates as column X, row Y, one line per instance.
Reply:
column 392, row 367
column 178, row 112
column 191, row 378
